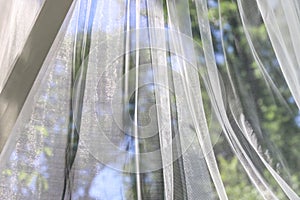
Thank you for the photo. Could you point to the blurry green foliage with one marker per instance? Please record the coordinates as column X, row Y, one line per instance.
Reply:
column 281, row 134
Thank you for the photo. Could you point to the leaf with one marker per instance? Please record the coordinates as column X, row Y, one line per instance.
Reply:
column 22, row 176
column 48, row 151
column 7, row 172
column 42, row 130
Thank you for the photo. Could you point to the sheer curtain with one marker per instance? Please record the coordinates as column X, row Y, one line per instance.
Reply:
column 15, row 30
column 157, row 99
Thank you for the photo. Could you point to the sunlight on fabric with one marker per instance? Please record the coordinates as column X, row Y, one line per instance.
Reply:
column 16, row 20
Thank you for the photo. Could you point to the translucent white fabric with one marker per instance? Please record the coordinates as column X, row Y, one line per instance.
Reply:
column 162, row 99
column 16, row 20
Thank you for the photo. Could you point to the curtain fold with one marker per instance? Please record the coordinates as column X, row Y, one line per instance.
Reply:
column 16, row 20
